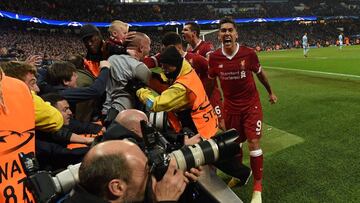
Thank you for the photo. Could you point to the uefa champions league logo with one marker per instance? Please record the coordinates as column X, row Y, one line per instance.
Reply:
column 260, row 20
column 74, row 24
column 173, row 23
column 298, row 19
column 215, row 22
column 1, row 15
column 35, row 20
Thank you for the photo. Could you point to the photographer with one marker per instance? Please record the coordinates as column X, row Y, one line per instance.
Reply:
column 117, row 171
column 127, row 125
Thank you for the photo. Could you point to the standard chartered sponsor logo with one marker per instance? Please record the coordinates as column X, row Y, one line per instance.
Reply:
column 232, row 75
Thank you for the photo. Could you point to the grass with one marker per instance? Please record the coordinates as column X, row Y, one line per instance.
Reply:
column 324, row 110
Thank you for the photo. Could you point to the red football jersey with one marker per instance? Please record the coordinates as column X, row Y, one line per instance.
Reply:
column 152, row 61
column 203, row 48
column 200, row 64
column 235, row 74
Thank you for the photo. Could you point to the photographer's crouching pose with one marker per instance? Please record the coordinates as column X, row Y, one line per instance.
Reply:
column 117, row 171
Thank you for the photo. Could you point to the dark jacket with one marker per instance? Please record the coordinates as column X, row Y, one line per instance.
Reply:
column 80, row 195
column 84, row 127
column 53, row 156
column 62, row 136
column 97, row 89
column 73, row 95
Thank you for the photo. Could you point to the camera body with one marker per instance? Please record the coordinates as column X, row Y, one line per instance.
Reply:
column 159, row 150
column 44, row 186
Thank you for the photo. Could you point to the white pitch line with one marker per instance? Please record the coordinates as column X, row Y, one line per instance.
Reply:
column 298, row 57
column 312, row 71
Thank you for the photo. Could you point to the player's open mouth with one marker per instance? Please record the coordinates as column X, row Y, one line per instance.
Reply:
column 227, row 41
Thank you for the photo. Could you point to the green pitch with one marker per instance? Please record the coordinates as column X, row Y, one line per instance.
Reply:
column 312, row 152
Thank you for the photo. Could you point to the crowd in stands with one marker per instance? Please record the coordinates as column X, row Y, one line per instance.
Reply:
column 48, row 44
column 106, row 11
column 51, row 45
column 58, row 45
column 64, row 50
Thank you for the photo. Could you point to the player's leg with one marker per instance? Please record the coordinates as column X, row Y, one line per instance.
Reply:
column 216, row 102
column 253, row 127
column 305, row 50
column 236, row 169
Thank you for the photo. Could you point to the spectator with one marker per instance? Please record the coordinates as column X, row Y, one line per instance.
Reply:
column 126, row 70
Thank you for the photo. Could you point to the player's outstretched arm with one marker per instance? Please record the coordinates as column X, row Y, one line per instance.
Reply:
column 264, row 80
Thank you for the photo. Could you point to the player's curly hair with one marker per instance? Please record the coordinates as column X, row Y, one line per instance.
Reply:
column 227, row 20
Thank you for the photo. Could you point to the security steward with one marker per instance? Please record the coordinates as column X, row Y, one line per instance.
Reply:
column 185, row 96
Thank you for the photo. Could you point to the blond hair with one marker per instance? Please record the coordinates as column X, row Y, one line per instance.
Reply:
column 120, row 24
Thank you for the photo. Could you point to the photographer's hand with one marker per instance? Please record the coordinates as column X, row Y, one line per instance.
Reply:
column 193, row 140
column 194, row 173
column 172, row 185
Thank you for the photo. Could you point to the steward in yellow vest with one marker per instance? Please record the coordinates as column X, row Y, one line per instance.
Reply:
column 185, row 96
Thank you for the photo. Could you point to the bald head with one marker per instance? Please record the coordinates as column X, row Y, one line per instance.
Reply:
column 130, row 119
column 137, row 39
column 124, row 148
column 108, row 161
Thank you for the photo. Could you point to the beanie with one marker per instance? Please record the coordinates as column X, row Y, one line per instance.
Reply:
column 89, row 30
column 172, row 57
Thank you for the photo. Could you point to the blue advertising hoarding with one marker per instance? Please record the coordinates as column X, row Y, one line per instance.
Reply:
column 33, row 19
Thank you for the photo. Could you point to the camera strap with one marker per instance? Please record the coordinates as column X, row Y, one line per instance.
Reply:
column 149, row 194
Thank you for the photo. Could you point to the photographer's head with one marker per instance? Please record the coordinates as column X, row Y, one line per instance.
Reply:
column 115, row 171
column 130, row 119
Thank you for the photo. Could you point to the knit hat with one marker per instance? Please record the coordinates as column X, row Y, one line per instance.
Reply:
column 89, row 30
column 172, row 57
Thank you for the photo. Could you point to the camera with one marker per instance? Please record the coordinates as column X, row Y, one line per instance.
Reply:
column 42, row 184
column 159, row 151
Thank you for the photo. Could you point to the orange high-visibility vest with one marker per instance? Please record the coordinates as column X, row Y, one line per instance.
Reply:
column 92, row 67
column 17, row 135
column 202, row 114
